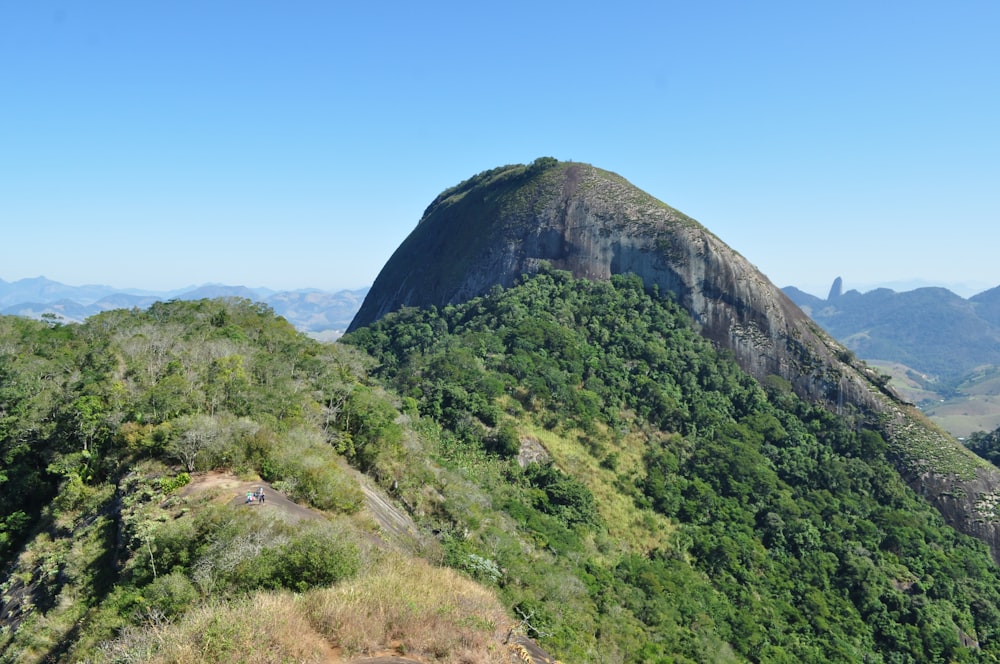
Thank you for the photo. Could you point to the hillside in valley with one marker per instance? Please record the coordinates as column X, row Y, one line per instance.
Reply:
column 594, row 430
column 942, row 351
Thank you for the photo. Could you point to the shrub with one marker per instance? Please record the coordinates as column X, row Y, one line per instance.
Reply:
column 309, row 468
column 319, row 556
column 171, row 484
column 171, row 594
column 505, row 442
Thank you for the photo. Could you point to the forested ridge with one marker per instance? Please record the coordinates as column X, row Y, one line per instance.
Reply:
column 104, row 424
column 595, row 473
column 786, row 533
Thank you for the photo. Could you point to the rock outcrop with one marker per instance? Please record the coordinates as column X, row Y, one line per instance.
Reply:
column 504, row 223
column 836, row 290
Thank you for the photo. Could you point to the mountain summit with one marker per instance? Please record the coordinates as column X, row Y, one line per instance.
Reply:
column 506, row 222
column 503, row 223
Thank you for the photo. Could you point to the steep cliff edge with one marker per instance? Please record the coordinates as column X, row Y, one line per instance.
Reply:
column 503, row 223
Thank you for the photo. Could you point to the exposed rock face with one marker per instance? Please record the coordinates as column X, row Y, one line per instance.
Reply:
column 502, row 224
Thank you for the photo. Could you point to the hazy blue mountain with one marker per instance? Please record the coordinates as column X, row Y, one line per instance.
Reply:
column 123, row 300
column 209, row 291
column 931, row 330
column 63, row 310
column 309, row 310
column 40, row 289
column 316, row 310
column 988, row 305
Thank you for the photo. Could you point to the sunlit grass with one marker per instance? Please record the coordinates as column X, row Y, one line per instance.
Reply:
column 399, row 605
column 638, row 529
column 412, row 607
column 264, row 627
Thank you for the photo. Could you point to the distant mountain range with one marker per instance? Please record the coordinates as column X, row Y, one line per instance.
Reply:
column 942, row 351
column 322, row 314
column 931, row 330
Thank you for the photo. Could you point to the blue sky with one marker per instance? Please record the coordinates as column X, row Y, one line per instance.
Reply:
column 160, row 144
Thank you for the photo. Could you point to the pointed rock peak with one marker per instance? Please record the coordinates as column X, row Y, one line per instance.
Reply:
column 836, row 290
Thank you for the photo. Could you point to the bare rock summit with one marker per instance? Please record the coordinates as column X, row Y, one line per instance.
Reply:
column 504, row 223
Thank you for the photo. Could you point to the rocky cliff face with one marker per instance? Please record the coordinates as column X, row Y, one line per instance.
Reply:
column 503, row 223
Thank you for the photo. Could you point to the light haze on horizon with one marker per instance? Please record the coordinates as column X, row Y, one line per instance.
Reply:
column 158, row 145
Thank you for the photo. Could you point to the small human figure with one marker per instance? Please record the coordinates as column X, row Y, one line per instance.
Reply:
column 249, row 497
column 260, row 495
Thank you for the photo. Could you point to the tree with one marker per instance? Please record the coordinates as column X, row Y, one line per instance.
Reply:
column 88, row 413
column 228, row 384
column 193, row 437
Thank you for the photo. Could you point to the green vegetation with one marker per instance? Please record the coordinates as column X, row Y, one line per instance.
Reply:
column 986, row 445
column 596, row 475
column 792, row 538
column 103, row 424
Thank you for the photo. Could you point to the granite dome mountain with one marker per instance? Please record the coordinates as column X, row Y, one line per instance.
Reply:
column 575, row 464
column 503, row 223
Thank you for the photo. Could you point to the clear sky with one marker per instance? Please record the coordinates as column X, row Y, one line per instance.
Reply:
column 159, row 144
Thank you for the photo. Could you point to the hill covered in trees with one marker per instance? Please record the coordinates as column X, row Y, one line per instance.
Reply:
column 579, row 463
column 706, row 514
column 493, row 228
column 107, row 558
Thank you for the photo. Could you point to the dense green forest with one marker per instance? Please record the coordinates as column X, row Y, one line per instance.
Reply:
column 986, row 445
column 786, row 534
column 613, row 486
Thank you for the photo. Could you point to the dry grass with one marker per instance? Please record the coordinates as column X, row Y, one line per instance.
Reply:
column 400, row 605
column 413, row 608
column 267, row 627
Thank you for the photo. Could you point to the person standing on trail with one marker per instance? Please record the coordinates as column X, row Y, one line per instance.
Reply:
column 249, row 497
column 260, row 494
